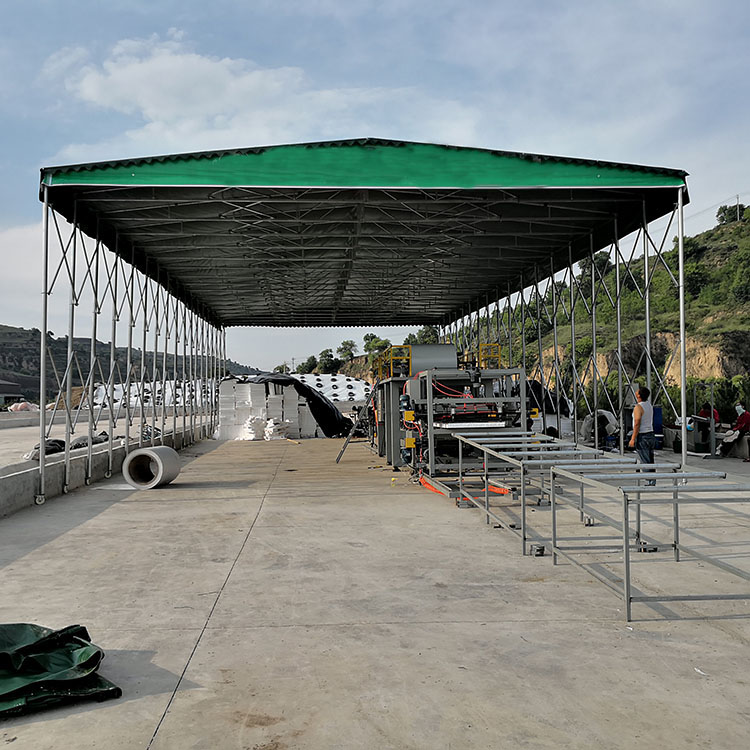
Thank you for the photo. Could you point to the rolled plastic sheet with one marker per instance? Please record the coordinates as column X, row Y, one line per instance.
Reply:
column 329, row 418
column 43, row 668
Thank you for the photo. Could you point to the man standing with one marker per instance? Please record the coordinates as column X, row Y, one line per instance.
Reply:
column 643, row 439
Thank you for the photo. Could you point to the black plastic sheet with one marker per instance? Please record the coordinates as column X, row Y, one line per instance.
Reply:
column 329, row 418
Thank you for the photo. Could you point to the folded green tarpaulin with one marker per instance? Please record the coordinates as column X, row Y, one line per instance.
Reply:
column 41, row 668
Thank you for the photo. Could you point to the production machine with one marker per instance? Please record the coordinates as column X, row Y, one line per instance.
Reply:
column 424, row 395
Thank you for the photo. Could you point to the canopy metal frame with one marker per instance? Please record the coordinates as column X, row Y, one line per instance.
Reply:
column 553, row 295
column 351, row 233
column 165, row 393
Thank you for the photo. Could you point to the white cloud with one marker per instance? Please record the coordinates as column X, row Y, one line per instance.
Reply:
column 63, row 62
column 179, row 100
column 21, row 277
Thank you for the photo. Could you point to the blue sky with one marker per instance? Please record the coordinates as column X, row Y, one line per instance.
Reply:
column 660, row 82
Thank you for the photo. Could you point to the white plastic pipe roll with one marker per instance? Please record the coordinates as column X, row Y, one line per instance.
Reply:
column 146, row 468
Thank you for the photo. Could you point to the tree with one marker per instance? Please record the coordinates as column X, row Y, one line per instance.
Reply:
column 696, row 277
column 425, row 335
column 347, row 349
column 602, row 263
column 740, row 288
column 306, row 367
column 729, row 214
column 374, row 344
column 283, row 367
column 327, row 363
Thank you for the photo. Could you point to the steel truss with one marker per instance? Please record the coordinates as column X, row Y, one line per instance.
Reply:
column 563, row 307
column 161, row 390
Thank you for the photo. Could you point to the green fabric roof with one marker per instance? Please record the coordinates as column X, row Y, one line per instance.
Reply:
column 364, row 163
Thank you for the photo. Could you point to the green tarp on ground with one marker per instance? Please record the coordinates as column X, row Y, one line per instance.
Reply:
column 42, row 668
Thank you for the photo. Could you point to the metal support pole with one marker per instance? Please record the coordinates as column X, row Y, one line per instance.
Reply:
column 193, row 368
column 553, row 511
column 176, row 342
column 497, row 327
column 155, row 355
column 556, row 355
column 183, row 390
column 676, row 521
column 461, row 469
column 168, row 331
column 114, row 293
column 647, row 297
column 523, row 328
column 92, row 357
column 683, row 349
column 712, row 424
column 486, row 489
column 574, row 363
column 523, row 510
column 626, row 555
column 223, row 351
column 204, row 380
column 72, row 304
column 542, row 379
column 40, row 496
column 620, row 394
column 430, row 423
column 488, row 322
column 144, row 332
column 510, row 329
column 594, row 368
column 129, row 361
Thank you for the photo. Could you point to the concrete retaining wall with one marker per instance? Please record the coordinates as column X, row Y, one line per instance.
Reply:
column 19, row 483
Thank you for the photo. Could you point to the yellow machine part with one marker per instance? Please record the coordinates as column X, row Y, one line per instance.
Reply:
column 410, row 442
column 408, row 416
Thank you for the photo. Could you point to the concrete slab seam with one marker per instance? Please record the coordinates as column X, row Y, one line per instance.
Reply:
column 216, row 600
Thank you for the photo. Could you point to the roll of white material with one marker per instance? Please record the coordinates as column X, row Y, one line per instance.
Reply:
column 146, row 468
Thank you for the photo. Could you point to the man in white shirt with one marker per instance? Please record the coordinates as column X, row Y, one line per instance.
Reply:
column 643, row 439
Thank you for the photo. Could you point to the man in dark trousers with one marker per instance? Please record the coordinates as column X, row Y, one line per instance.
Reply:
column 643, row 439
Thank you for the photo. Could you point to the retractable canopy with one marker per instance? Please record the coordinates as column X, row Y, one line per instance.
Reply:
column 357, row 232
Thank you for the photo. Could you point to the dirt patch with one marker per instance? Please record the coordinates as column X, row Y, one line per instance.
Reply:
column 274, row 744
column 251, row 720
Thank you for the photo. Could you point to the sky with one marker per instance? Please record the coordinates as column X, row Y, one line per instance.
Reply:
column 662, row 83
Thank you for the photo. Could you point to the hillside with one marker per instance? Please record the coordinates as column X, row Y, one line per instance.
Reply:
column 19, row 359
column 717, row 308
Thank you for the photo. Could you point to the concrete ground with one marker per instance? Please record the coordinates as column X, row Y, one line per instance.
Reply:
column 270, row 599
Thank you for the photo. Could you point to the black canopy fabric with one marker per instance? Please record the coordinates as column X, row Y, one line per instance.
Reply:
column 42, row 668
column 329, row 418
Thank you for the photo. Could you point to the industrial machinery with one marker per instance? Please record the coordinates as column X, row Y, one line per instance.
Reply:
column 423, row 397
